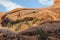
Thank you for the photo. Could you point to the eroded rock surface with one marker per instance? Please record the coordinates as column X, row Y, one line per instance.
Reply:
column 51, row 28
column 24, row 18
column 26, row 23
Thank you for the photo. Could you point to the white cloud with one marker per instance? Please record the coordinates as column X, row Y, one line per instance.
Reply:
column 9, row 5
column 47, row 2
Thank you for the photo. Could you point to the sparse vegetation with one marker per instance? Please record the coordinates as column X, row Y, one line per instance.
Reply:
column 42, row 35
column 10, row 23
column 34, row 12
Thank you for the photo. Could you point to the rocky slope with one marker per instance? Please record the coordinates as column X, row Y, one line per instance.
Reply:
column 30, row 17
column 25, row 18
column 26, row 21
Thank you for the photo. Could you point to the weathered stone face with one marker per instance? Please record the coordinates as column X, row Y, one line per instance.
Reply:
column 26, row 21
column 24, row 18
column 57, row 2
column 38, row 15
column 50, row 29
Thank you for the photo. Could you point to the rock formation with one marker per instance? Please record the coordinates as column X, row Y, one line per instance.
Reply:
column 25, row 22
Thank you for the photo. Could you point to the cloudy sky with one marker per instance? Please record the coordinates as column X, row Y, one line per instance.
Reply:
column 7, row 5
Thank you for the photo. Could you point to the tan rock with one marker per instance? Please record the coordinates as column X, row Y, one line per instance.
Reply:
column 36, row 16
column 1, row 14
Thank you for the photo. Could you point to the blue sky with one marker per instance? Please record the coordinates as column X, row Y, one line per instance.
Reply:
column 7, row 5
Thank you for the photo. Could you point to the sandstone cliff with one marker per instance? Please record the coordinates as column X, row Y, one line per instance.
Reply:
column 26, row 20
column 34, row 16
column 25, row 23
